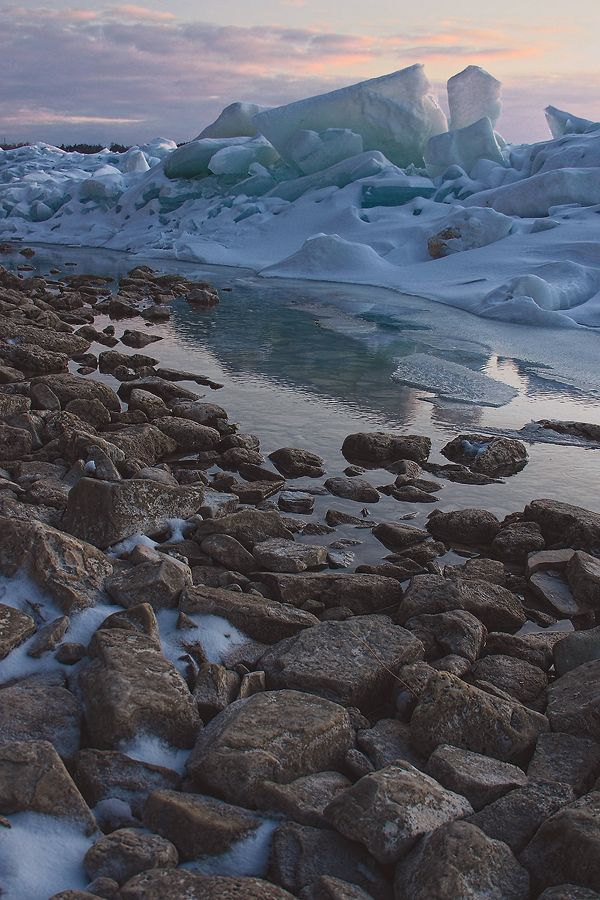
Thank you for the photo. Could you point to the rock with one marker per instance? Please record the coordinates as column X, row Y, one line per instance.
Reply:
column 576, row 648
column 248, row 526
column 34, row 779
column 259, row 618
column 105, row 512
column 127, row 852
column 566, row 759
column 178, row 884
column 294, row 463
column 138, row 339
column 464, row 526
column 583, row 575
column 495, row 457
column 386, row 742
column 356, row 489
column 158, row 582
column 566, row 847
column 15, row 443
column 13, row 404
column 328, row 888
column 362, row 594
column 496, row 607
column 216, row 687
column 460, row 861
column 535, row 648
column 251, row 742
column 154, row 385
column 515, row 817
column 216, row 505
column 301, row 855
column 389, row 810
column 478, row 778
column 574, row 701
column 547, row 559
column 107, row 888
column 354, row 663
column 568, row 892
column 398, row 537
column 196, row 825
column 456, row 632
column 105, row 774
column 91, row 411
column 48, row 637
column 70, row 653
column 514, row 542
column 144, row 443
column 295, row 502
column 151, row 405
column 281, row 555
column 69, row 387
column 564, row 525
column 478, row 569
column 452, row 712
column 516, row 677
column 379, row 448
column 40, row 709
column 551, row 587
column 227, row 551
column 304, row 799
column 15, row 627
column 204, row 413
column 189, row 436
column 138, row 619
column 129, row 687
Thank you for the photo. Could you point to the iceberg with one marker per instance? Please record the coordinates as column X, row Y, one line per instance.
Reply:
column 396, row 114
column 463, row 147
column 537, row 195
column 561, row 122
column 193, row 160
column 236, row 120
column 473, row 94
column 312, row 152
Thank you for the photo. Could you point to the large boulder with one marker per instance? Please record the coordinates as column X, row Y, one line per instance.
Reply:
column 274, row 736
column 492, row 456
column 40, row 708
column 362, row 594
column 248, row 526
column 379, row 448
column 145, row 444
column 449, row 711
column 15, row 627
column 179, row 884
column 109, row 774
column 71, row 571
column 565, row 525
column 129, row 687
column 389, row 810
column 105, row 512
column 354, row 662
column 498, row 608
column 574, row 701
column 479, row 778
column 459, row 861
column 69, row 387
column 127, row 852
column 464, row 526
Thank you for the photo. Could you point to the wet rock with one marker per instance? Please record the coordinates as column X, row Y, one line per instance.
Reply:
column 178, row 884
column 105, row 774
column 457, row 632
column 259, row 618
column 564, row 525
column 158, row 582
column 362, row 594
column 15, row 627
column 574, row 701
column 105, row 512
column 304, row 799
column 356, row 489
column 280, row 555
column 552, row 587
column 566, row 848
column 154, row 385
column 568, row 892
column 495, row 457
column 354, row 663
column 295, row 502
column 516, row 677
column 567, row 759
column 41, row 709
column 535, row 648
column 295, row 463
column 379, row 448
column 197, row 825
column 398, row 537
column 458, row 860
column 452, row 712
column 189, row 436
column 496, row 607
column 301, row 855
column 583, row 575
column 151, row 405
column 129, row 687
column 389, row 810
column 478, row 778
column 33, row 778
column 515, row 817
column 473, row 527
column 248, row 526
column 127, row 852
column 252, row 742
column 70, row 653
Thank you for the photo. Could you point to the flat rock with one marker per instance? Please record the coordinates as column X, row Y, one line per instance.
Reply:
column 457, row 632
column 480, row 779
column 281, row 555
column 127, row 852
column 362, row 594
column 354, row 663
column 574, row 701
column 567, row 759
column 565, row 525
column 15, row 627
column 295, row 463
column 248, row 526
column 495, row 606
column 460, row 861
column 40, row 709
column 449, row 711
column 105, row 774
column 273, row 736
column 552, row 587
column 356, row 489
column 389, row 810
column 304, row 799
column 576, row 648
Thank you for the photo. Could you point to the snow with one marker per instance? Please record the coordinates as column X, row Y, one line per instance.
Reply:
column 335, row 188
column 215, row 634
column 150, row 748
column 248, row 856
column 41, row 855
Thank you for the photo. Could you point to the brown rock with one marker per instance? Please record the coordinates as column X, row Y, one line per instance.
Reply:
column 126, row 853
column 178, row 884
column 41, row 709
column 104, row 774
column 378, row 448
column 15, row 627
column 496, row 607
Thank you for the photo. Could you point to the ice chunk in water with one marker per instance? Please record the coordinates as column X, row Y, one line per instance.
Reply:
column 473, row 94
column 463, row 147
column 452, row 381
column 312, row 152
column 236, row 120
column 395, row 113
column 561, row 122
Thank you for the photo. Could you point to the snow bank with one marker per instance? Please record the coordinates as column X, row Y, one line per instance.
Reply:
column 335, row 188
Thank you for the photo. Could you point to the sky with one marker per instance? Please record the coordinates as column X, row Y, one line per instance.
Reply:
column 101, row 72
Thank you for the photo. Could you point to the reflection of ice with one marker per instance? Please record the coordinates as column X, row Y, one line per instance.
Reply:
column 452, row 381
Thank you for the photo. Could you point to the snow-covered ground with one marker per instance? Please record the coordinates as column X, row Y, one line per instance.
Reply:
column 365, row 185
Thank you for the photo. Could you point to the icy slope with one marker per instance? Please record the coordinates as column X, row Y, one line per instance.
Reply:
column 314, row 190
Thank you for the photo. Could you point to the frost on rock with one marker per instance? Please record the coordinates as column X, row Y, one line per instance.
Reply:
column 395, row 113
column 473, row 94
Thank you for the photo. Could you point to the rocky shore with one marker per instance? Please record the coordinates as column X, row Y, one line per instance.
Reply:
column 202, row 696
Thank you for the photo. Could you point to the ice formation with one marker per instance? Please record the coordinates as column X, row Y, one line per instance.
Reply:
column 364, row 184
